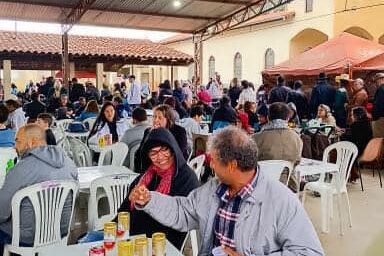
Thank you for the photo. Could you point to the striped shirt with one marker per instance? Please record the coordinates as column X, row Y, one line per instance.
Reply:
column 228, row 213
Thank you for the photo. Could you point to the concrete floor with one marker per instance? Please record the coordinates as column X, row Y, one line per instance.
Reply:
column 366, row 237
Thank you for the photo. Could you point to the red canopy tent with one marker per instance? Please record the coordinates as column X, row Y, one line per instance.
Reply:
column 331, row 57
column 376, row 63
column 79, row 74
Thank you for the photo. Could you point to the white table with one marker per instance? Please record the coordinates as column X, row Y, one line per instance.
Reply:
column 89, row 174
column 82, row 249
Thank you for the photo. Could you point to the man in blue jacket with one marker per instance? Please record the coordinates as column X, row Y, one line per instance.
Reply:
column 322, row 93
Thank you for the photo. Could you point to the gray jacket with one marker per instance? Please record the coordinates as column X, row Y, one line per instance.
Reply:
column 37, row 165
column 132, row 137
column 272, row 220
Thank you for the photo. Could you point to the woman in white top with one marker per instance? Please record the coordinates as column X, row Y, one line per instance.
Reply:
column 247, row 94
column 107, row 123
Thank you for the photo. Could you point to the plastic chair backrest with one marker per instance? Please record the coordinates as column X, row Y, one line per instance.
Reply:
column 48, row 199
column 119, row 152
column 59, row 134
column 63, row 123
column 196, row 165
column 274, row 168
column 81, row 153
column 89, row 122
column 132, row 152
column 372, row 151
column 116, row 190
column 346, row 156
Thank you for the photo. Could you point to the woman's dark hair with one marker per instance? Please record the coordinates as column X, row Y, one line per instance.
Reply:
column 244, row 84
column 101, row 120
column 12, row 103
column 248, row 106
column 298, row 84
column 167, row 84
column 92, row 107
column 168, row 114
column 170, row 102
column 4, row 113
column 360, row 114
column 197, row 111
column 224, row 101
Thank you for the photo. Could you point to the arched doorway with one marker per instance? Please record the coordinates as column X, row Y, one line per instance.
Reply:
column 381, row 39
column 305, row 40
column 360, row 32
column 269, row 60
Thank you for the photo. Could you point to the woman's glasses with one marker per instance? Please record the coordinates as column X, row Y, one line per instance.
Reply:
column 163, row 151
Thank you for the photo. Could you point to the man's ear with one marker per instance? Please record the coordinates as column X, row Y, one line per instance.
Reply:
column 232, row 166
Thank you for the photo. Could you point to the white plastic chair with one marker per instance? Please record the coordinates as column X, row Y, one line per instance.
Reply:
column 119, row 152
column 115, row 188
column 89, row 122
column 195, row 247
column 346, row 155
column 64, row 123
column 274, row 168
column 81, row 153
column 197, row 164
column 48, row 199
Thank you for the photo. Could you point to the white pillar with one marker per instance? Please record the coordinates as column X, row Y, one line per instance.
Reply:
column 71, row 70
column 99, row 75
column 7, row 80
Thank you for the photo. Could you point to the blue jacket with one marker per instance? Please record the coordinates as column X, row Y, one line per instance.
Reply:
column 7, row 137
column 278, row 94
column 378, row 103
column 272, row 220
column 84, row 115
column 322, row 93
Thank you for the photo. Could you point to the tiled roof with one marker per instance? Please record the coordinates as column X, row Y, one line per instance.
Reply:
column 23, row 42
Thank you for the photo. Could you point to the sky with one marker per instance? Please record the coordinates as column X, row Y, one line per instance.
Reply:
column 37, row 27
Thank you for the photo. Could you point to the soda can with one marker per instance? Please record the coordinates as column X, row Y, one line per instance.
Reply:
column 109, row 236
column 97, row 251
column 123, row 226
column 158, row 244
column 125, row 248
column 141, row 246
column 101, row 142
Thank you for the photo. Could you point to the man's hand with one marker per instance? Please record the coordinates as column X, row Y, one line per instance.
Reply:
column 230, row 252
column 140, row 195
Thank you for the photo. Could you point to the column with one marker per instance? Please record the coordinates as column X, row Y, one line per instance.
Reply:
column 53, row 73
column 72, row 70
column 65, row 58
column 99, row 75
column 7, row 80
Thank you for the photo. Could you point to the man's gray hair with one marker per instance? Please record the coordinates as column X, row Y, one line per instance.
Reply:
column 232, row 143
column 359, row 81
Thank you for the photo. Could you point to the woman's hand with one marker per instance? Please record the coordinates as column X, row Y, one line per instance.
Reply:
column 230, row 252
column 140, row 195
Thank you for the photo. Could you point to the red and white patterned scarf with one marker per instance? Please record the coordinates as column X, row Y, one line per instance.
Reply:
column 166, row 179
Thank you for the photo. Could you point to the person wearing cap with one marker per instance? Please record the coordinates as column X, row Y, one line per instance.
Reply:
column 341, row 101
column 378, row 108
column 322, row 93
column 134, row 93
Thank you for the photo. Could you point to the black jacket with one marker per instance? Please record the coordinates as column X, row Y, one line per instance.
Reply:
column 34, row 108
column 180, row 136
column 234, row 94
column 378, row 103
column 301, row 103
column 278, row 94
column 226, row 114
column 322, row 93
column 77, row 91
column 360, row 133
column 183, row 182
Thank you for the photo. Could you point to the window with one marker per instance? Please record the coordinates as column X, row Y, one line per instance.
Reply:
column 269, row 58
column 237, row 66
column 308, row 5
column 211, row 67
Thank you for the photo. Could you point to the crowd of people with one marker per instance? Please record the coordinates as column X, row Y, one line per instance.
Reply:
column 248, row 124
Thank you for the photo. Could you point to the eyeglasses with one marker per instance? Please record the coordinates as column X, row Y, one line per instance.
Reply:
column 163, row 151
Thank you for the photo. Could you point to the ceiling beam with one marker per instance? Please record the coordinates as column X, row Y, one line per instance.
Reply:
column 233, row 2
column 252, row 10
column 76, row 13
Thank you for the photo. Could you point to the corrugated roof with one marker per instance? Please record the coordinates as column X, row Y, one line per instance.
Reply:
column 189, row 16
